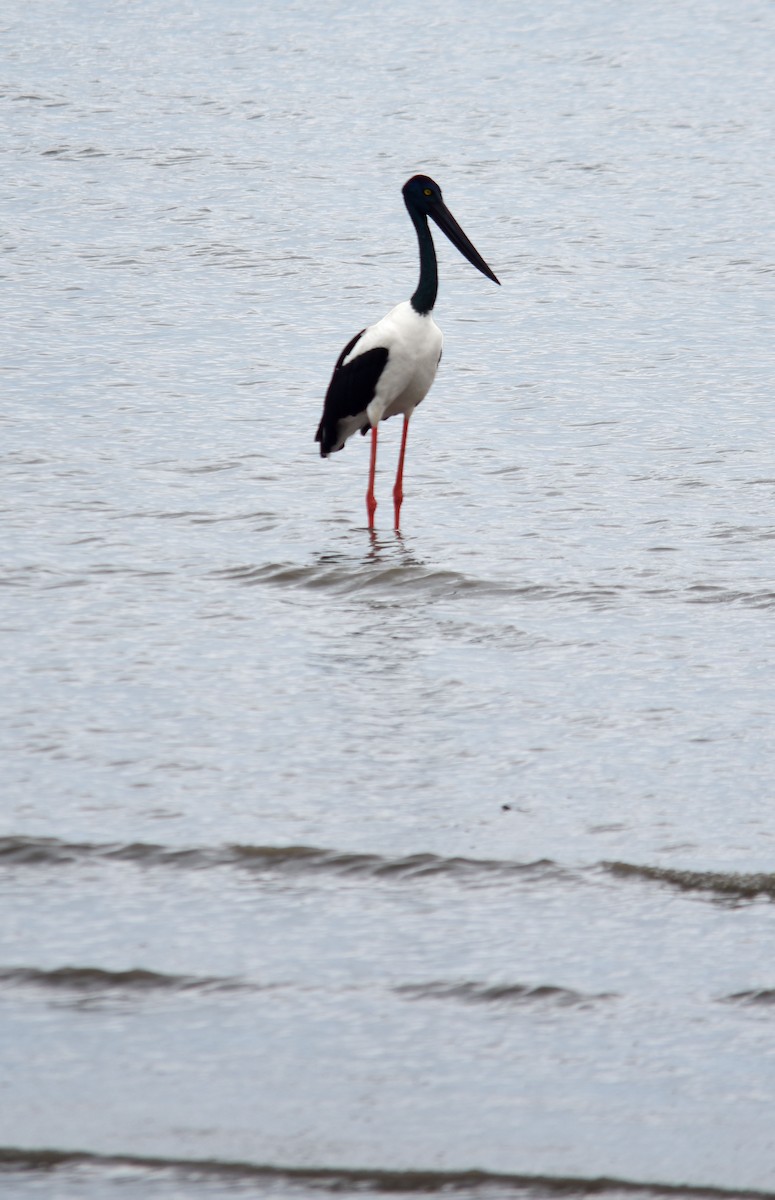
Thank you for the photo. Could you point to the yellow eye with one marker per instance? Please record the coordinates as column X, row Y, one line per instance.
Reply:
column 427, row 192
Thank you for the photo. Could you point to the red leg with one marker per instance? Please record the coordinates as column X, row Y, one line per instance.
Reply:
column 371, row 502
column 398, row 487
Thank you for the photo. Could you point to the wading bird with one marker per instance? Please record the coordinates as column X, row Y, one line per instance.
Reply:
column 388, row 368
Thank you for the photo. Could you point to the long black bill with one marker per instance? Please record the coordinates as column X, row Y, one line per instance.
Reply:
column 448, row 225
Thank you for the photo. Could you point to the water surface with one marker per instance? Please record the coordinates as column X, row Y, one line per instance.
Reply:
column 366, row 863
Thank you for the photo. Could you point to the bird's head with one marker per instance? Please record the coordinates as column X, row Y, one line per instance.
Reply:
column 422, row 196
column 422, row 193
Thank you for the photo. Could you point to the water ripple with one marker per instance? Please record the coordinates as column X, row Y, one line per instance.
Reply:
column 729, row 886
column 471, row 992
column 304, row 1182
column 26, row 851
column 93, row 981
column 757, row 996
column 305, row 860
column 344, row 579
column 416, row 579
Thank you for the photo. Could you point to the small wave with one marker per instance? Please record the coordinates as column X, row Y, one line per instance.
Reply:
column 470, row 992
column 359, row 1182
column 73, row 153
column 757, row 996
column 305, row 860
column 705, row 593
column 27, row 851
column 92, row 981
column 344, row 578
column 402, row 578
column 731, row 886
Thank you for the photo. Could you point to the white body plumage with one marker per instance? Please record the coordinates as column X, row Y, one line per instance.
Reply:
column 413, row 342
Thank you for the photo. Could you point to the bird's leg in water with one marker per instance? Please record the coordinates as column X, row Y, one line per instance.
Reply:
column 398, row 486
column 371, row 502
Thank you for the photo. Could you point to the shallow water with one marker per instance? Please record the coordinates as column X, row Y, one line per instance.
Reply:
column 365, row 862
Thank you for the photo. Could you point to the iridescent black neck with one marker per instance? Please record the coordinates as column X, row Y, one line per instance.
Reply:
column 424, row 297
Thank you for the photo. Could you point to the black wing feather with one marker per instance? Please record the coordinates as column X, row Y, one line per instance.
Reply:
column 351, row 390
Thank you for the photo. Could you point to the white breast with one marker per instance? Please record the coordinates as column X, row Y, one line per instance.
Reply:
column 413, row 342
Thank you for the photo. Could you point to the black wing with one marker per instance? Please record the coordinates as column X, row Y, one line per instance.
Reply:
column 351, row 390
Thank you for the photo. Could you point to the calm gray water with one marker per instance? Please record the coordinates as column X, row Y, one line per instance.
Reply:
column 363, row 864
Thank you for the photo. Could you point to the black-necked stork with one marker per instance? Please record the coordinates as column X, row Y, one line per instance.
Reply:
column 388, row 368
